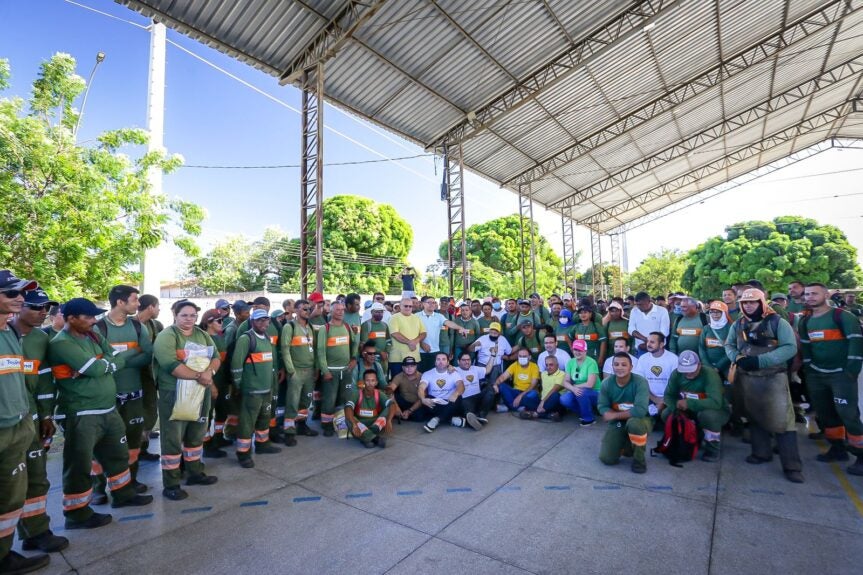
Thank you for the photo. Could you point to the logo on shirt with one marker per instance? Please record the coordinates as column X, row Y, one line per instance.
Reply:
column 440, row 383
column 656, row 369
column 469, row 378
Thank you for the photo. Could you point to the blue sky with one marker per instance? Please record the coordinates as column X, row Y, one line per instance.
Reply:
column 213, row 119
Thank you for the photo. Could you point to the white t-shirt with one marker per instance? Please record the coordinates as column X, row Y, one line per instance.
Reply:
column 485, row 347
column 440, row 384
column 471, row 378
column 433, row 323
column 606, row 367
column 656, row 370
column 654, row 320
column 562, row 359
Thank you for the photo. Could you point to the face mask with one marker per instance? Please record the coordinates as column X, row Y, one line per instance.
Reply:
column 564, row 321
column 719, row 323
column 495, row 306
column 678, row 310
column 523, row 361
column 493, row 337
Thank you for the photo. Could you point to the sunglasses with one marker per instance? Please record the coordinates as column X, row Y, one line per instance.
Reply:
column 12, row 293
column 37, row 307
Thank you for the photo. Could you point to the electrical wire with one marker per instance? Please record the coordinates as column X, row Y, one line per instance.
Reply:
column 284, row 166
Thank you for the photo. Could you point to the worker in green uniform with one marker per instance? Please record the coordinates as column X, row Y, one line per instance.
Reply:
column 711, row 351
column 616, row 324
column 365, row 362
column 796, row 303
column 687, row 327
column 564, row 330
column 530, row 339
column 376, row 330
column 509, row 321
column 759, row 344
column 336, row 350
column 184, row 352
column 16, row 428
column 594, row 333
column 130, row 340
column 696, row 390
column 486, row 319
column 297, row 342
column 622, row 403
column 852, row 306
column 34, row 526
column 241, row 311
column 469, row 333
column 211, row 322
column 832, row 356
column 148, row 313
column 84, row 364
column 252, row 367
column 367, row 411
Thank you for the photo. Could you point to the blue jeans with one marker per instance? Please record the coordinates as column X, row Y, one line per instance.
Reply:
column 530, row 401
column 581, row 404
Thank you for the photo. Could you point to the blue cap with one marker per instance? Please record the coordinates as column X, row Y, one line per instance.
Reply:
column 368, row 304
column 81, row 306
column 240, row 305
column 9, row 281
column 38, row 297
column 259, row 313
column 222, row 304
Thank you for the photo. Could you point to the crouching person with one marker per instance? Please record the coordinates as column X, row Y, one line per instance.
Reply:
column 623, row 401
column 367, row 412
column 696, row 390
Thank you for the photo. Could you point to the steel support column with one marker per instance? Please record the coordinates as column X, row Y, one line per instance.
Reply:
column 616, row 267
column 597, row 280
column 528, row 256
column 569, row 254
column 312, row 185
column 454, row 190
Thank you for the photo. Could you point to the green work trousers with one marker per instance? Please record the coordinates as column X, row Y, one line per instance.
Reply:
column 151, row 401
column 34, row 518
column 301, row 387
column 622, row 435
column 835, row 399
column 14, row 441
column 132, row 413
column 181, row 440
column 255, row 413
column 335, row 392
column 94, row 443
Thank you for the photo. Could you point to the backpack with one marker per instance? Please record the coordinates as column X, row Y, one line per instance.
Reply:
column 803, row 326
column 102, row 324
column 680, row 440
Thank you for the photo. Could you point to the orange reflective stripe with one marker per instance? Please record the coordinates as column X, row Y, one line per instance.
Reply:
column 713, row 342
column 133, row 455
column 170, row 462
column 123, row 345
column 260, row 357
column 274, row 340
column 262, row 436
column 618, row 335
column 222, row 356
column 377, row 334
column 835, row 433
column 855, row 441
column 301, row 340
column 243, row 445
column 8, row 521
column 638, row 440
column 193, row 453
column 62, row 371
column 587, row 336
column 72, row 501
column 232, row 420
column 826, row 335
column 34, row 506
column 622, row 406
column 31, row 366
column 688, row 331
column 182, row 354
column 338, row 340
column 380, row 422
column 120, row 480
column 96, row 468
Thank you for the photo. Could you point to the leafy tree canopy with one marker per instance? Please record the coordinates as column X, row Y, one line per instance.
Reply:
column 660, row 273
column 79, row 218
column 774, row 253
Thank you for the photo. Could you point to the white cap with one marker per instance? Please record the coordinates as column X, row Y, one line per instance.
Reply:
column 377, row 306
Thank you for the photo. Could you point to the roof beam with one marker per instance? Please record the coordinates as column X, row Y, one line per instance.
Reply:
column 716, row 132
column 524, row 91
column 766, row 49
column 331, row 39
column 692, row 177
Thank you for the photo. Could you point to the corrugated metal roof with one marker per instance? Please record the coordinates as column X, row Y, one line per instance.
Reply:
column 602, row 137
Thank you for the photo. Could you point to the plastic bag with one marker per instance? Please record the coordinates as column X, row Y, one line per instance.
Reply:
column 340, row 423
column 190, row 394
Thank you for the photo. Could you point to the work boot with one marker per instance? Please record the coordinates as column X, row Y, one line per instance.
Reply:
column 137, row 501
column 836, row 452
column 277, row 435
column 380, row 441
column 368, row 443
column 92, row 522
column 17, row 563
column 431, row 425
column 638, row 466
column 245, row 459
column 856, row 468
column 175, row 493
column 304, row 429
column 329, row 431
column 147, row 456
column 711, row 452
column 211, row 451
column 202, row 479
column 219, row 440
column 45, row 541
column 99, row 498
column 290, row 439
column 266, row 447
column 139, row 487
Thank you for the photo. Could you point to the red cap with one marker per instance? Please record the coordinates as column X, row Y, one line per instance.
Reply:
column 316, row 297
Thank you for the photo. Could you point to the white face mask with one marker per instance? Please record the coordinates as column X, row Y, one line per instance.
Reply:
column 719, row 323
column 563, row 321
column 523, row 361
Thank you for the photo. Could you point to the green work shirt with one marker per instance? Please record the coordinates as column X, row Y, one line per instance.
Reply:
column 369, row 407
column 297, row 345
column 592, row 333
column 703, row 392
column 14, row 405
column 828, row 347
column 378, row 332
column 335, row 347
column 252, row 372
column 136, row 350
column 37, row 374
column 84, row 368
column 460, row 341
column 634, row 397
column 686, row 334
column 711, row 348
column 170, row 350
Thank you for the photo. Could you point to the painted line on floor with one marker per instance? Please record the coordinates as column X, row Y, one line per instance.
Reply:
column 307, row 499
column 847, row 487
column 827, row 496
column 197, row 509
column 660, row 487
column 137, row 517
column 408, row 493
column 458, row 490
column 557, row 487
column 767, row 491
column 253, row 503
column 358, row 495
column 509, row 488
column 606, row 487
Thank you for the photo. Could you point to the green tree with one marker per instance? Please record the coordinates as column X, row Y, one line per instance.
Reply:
column 225, row 268
column 610, row 274
column 660, row 273
column 79, row 218
column 774, row 253
column 494, row 250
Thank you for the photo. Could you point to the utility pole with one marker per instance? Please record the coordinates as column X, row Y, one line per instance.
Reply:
column 154, row 259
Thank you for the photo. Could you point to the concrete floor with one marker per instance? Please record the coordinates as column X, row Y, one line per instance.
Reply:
column 517, row 497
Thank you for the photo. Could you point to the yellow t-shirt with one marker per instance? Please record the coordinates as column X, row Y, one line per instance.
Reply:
column 523, row 376
column 409, row 326
column 549, row 381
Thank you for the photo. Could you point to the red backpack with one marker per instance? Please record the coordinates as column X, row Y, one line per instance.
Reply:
column 680, row 440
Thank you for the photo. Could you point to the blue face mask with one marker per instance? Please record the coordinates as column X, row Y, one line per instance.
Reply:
column 495, row 306
column 678, row 310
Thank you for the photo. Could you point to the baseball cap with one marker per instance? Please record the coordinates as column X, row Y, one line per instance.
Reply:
column 615, row 305
column 717, row 305
column 495, row 326
column 524, row 321
column 377, row 306
column 277, row 313
column 688, row 362
column 222, row 304
column 409, row 361
column 9, row 281
column 579, row 345
column 316, row 297
column 523, row 302
column 258, row 313
column 209, row 315
column 779, row 296
column 38, row 297
column 240, row 305
column 534, row 294
column 567, row 297
column 81, row 306
column 368, row 304
column 752, row 294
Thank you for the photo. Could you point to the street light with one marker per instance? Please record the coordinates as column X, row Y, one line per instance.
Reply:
column 100, row 57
